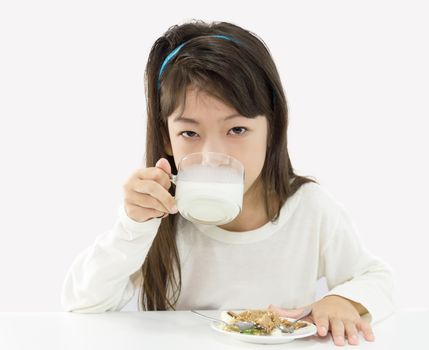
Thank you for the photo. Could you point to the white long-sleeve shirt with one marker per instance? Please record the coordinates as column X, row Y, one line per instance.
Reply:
column 278, row 263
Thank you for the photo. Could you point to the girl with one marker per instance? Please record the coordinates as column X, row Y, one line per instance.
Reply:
column 214, row 87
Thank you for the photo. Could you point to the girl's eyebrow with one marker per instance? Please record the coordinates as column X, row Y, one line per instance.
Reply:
column 193, row 121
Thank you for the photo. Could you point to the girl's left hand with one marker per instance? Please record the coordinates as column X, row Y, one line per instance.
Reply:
column 336, row 314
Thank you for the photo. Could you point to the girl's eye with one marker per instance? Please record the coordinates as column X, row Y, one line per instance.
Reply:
column 183, row 133
column 237, row 130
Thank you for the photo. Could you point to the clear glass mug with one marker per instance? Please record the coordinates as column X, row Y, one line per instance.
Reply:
column 209, row 187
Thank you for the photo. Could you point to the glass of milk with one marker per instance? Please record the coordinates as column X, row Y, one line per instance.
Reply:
column 209, row 187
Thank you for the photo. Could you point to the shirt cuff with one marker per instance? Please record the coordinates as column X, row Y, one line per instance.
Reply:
column 373, row 299
column 132, row 229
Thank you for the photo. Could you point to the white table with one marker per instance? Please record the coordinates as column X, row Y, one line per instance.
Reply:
column 406, row 329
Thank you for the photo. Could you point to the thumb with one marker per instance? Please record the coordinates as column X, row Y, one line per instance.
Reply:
column 164, row 164
column 292, row 313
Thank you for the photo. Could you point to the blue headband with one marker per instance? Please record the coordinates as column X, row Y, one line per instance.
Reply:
column 177, row 49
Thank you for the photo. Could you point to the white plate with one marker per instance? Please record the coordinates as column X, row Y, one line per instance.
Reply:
column 277, row 338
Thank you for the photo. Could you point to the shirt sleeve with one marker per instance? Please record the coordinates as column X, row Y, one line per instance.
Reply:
column 103, row 277
column 353, row 273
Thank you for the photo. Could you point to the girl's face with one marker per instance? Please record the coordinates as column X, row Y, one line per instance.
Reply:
column 209, row 125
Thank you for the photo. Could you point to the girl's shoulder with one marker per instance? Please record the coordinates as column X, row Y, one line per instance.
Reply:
column 318, row 197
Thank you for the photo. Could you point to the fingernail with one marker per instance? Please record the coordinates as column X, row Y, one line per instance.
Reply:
column 371, row 337
column 353, row 338
column 339, row 339
column 173, row 209
column 323, row 331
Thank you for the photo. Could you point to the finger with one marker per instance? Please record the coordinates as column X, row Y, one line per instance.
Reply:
column 366, row 329
column 158, row 192
column 156, row 174
column 145, row 201
column 322, row 324
column 139, row 214
column 351, row 332
column 164, row 164
column 337, row 331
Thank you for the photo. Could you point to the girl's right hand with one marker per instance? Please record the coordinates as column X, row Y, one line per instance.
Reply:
column 146, row 193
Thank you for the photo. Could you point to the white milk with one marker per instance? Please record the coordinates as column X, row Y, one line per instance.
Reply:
column 209, row 195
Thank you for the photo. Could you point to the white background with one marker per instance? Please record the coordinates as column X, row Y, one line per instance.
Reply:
column 72, row 122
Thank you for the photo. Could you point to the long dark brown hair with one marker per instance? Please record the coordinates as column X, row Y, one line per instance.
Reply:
column 240, row 72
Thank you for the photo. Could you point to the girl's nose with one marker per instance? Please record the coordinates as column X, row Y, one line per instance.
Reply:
column 214, row 145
